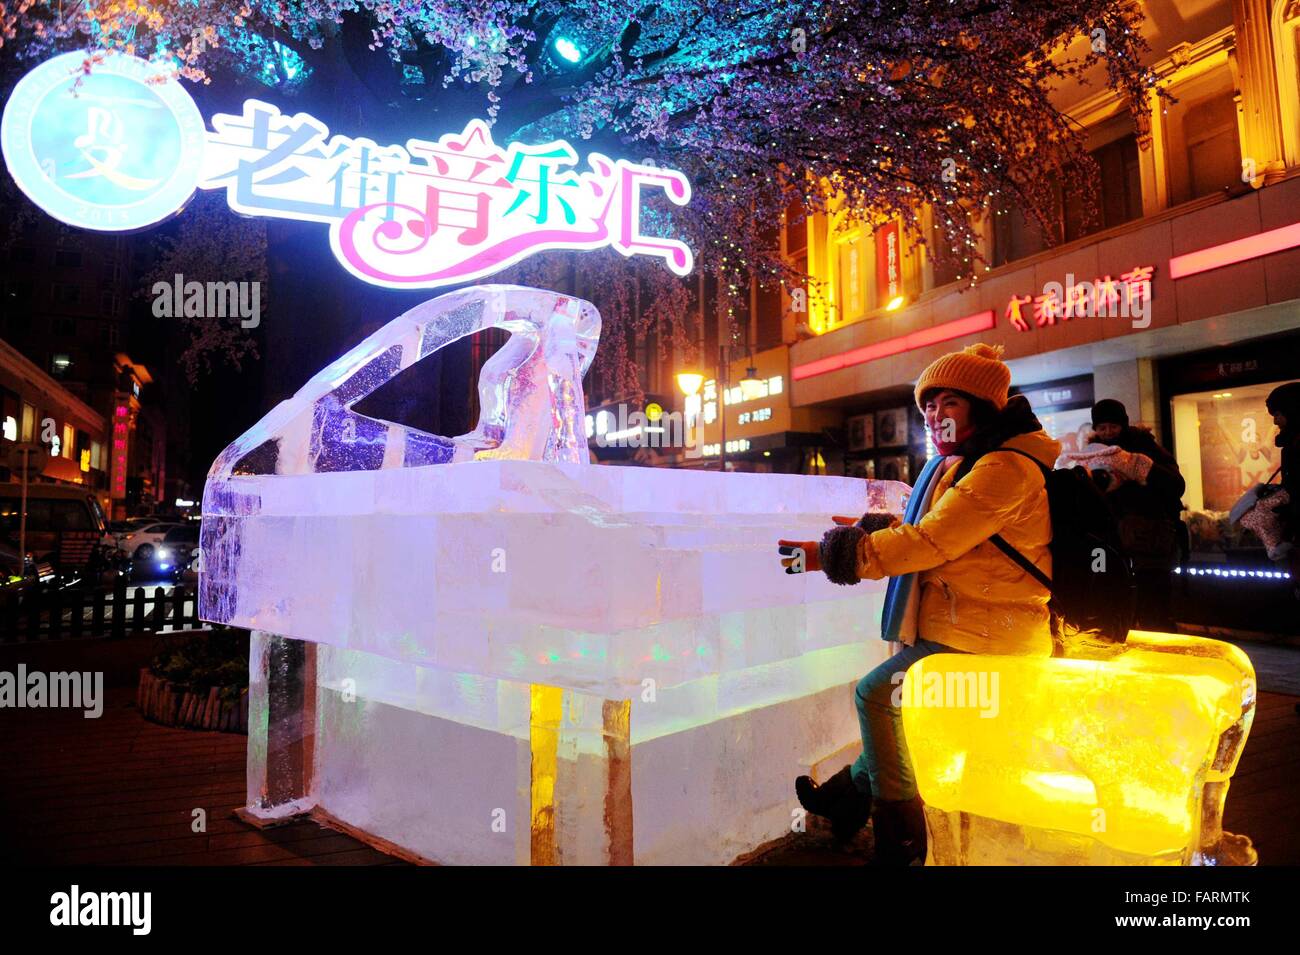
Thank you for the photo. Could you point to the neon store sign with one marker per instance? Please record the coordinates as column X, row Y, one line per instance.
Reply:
column 1106, row 297
column 124, row 147
column 121, row 416
column 705, row 404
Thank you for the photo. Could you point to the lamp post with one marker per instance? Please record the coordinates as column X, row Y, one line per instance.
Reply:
column 690, row 383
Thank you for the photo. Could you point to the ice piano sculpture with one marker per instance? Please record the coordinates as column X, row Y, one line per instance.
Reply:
column 1110, row 755
column 483, row 649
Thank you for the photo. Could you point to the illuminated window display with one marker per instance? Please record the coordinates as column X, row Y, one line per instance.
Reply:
column 1223, row 441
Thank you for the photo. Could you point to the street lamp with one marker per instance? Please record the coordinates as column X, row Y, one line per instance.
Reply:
column 690, row 383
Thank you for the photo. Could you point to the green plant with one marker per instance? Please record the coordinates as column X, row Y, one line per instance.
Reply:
column 199, row 661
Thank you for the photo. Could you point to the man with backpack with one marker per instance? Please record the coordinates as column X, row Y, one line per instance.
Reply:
column 953, row 588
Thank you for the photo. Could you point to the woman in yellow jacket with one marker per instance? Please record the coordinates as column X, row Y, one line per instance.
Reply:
column 972, row 597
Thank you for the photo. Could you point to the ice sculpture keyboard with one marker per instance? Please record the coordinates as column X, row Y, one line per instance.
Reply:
column 483, row 649
column 1115, row 755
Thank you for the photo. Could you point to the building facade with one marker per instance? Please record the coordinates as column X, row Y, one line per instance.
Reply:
column 1183, row 302
column 64, row 315
column 35, row 408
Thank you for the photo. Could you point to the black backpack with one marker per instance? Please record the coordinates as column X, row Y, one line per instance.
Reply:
column 1092, row 582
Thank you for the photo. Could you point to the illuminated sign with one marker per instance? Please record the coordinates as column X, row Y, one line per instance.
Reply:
column 706, row 403
column 653, row 427
column 129, row 148
column 11, row 428
column 733, row 447
column 1107, row 297
column 1239, row 250
column 888, row 278
column 115, row 149
column 117, row 462
column 946, row 331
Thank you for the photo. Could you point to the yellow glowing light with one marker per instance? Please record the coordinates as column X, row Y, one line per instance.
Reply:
column 689, row 382
column 654, row 411
column 895, row 303
column 1111, row 755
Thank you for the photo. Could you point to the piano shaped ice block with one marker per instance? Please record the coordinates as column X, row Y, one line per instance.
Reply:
column 483, row 649
column 1115, row 755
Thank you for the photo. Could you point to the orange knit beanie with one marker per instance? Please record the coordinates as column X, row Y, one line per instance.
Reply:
column 977, row 370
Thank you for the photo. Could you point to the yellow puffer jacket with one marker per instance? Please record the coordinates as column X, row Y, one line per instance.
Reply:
column 973, row 596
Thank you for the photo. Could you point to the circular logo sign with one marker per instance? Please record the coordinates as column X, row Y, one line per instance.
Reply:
column 115, row 149
column 654, row 411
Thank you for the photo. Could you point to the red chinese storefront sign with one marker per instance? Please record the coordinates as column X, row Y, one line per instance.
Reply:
column 1129, row 296
column 888, row 269
column 117, row 465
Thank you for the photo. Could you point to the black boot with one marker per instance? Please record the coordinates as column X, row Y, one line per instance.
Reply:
column 899, row 828
column 838, row 799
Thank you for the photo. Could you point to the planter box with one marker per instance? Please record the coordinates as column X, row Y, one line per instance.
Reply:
column 162, row 702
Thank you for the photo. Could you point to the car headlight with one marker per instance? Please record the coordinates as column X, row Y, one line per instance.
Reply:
column 164, row 554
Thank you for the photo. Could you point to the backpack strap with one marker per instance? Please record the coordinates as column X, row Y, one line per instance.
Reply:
column 1025, row 454
column 998, row 541
column 1025, row 564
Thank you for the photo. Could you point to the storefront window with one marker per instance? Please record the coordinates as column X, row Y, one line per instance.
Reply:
column 1223, row 441
column 1071, row 428
column 1064, row 408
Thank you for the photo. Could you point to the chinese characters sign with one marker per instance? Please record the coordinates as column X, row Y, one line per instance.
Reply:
column 1106, row 297
column 434, row 213
column 114, row 150
column 888, row 277
column 117, row 465
column 123, row 150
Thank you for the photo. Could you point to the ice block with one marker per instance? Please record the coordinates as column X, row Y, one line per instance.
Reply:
column 1114, row 755
column 483, row 649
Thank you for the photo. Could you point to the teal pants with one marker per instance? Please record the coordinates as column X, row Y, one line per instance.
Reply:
column 884, row 769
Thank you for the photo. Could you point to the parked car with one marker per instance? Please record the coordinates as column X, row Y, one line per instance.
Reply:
column 141, row 542
column 178, row 552
column 122, row 528
column 65, row 524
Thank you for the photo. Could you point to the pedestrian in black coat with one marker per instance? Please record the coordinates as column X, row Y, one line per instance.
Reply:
column 1283, row 403
column 1144, row 488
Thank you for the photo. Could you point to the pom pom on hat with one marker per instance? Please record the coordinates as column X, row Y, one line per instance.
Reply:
column 977, row 370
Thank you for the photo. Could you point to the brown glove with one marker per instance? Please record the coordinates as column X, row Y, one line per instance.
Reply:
column 800, row 557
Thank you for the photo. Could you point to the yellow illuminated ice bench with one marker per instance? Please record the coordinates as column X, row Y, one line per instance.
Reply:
column 1111, row 755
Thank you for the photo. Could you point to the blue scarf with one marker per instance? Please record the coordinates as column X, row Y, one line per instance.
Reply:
column 900, row 606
